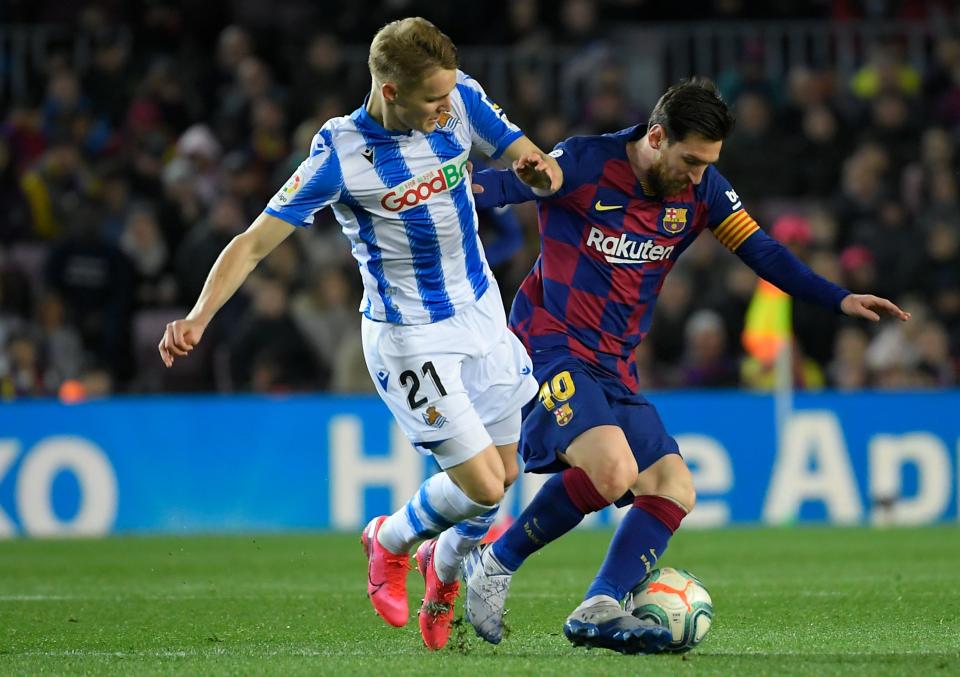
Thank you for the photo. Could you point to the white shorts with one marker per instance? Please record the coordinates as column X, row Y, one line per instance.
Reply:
column 464, row 378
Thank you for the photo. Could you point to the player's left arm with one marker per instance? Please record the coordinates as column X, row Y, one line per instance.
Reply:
column 499, row 188
column 738, row 232
column 776, row 264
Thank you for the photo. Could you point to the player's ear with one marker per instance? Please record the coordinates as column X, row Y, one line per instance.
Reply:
column 655, row 136
column 389, row 92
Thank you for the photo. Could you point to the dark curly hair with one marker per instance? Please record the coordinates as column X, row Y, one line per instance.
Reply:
column 693, row 106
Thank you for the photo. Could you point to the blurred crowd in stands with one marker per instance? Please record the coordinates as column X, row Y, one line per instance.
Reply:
column 126, row 172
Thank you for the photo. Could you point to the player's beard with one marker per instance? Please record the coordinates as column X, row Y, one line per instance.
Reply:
column 661, row 184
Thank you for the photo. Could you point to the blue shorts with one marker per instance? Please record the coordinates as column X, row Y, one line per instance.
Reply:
column 576, row 396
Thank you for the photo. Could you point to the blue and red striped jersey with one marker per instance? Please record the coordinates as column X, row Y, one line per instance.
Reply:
column 607, row 244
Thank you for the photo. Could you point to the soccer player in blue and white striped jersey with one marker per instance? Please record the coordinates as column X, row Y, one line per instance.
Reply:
column 434, row 332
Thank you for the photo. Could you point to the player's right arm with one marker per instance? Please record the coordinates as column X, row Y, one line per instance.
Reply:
column 495, row 136
column 317, row 182
column 235, row 263
column 500, row 187
column 534, row 167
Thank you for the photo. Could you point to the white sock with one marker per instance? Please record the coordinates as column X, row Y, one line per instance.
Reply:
column 454, row 544
column 437, row 506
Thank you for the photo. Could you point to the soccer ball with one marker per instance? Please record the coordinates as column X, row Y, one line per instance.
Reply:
column 674, row 599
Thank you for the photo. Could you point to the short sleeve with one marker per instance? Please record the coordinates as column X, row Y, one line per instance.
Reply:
column 490, row 130
column 316, row 183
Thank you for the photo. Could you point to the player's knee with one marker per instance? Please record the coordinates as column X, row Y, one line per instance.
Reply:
column 487, row 492
column 613, row 478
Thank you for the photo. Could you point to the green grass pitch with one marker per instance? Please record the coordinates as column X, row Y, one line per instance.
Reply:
column 800, row 601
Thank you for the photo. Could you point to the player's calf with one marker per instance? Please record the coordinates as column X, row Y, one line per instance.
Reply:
column 670, row 478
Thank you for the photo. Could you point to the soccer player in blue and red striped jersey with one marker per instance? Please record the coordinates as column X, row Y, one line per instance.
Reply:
column 630, row 203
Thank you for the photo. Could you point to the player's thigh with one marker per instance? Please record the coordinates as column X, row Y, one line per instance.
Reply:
column 644, row 429
column 642, row 437
column 571, row 422
column 499, row 383
column 669, row 476
column 508, row 455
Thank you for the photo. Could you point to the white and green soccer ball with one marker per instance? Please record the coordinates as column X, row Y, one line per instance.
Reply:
column 674, row 599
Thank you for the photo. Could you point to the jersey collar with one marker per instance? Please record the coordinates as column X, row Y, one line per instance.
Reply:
column 629, row 135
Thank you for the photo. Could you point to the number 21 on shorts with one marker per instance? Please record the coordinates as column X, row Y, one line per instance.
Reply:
column 410, row 381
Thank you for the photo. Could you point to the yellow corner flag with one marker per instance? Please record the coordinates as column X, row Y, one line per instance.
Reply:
column 768, row 325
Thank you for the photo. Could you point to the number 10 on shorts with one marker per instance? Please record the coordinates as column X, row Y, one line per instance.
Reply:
column 558, row 389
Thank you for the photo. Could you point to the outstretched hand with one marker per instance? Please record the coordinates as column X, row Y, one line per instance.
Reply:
column 871, row 307
column 535, row 171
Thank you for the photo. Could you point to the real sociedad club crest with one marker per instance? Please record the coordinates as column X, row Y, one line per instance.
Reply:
column 434, row 418
column 447, row 121
column 674, row 219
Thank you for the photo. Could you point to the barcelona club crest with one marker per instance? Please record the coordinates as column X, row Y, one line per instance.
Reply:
column 434, row 418
column 563, row 413
column 674, row 219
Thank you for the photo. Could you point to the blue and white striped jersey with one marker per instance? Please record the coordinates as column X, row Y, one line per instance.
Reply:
column 404, row 201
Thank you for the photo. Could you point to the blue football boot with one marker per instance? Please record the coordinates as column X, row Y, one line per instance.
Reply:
column 601, row 622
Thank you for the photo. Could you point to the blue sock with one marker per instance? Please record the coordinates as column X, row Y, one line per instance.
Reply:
column 558, row 507
column 637, row 544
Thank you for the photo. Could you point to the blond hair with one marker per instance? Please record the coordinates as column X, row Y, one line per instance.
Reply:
column 403, row 51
